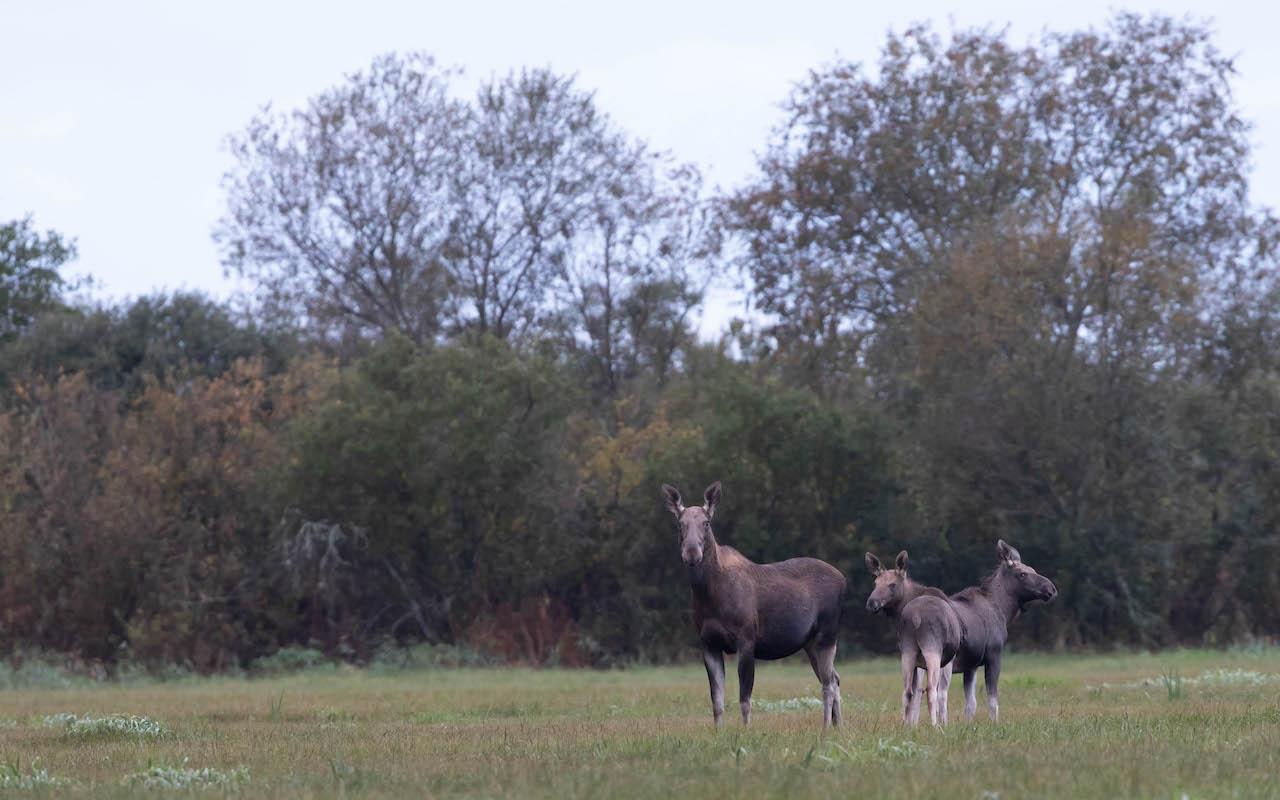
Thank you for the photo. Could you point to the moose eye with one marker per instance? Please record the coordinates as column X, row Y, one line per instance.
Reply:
column 1022, row 576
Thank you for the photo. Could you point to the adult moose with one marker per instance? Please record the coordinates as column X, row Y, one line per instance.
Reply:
column 765, row 611
column 967, row 631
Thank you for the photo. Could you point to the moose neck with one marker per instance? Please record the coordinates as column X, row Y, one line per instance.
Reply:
column 1001, row 591
column 703, row 574
column 910, row 591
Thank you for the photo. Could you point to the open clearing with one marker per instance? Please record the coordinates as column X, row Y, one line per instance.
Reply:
column 1168, row 725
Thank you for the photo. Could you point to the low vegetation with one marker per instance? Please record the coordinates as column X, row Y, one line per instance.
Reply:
column 184, row 778
column 111, row 726
column 1071, row 726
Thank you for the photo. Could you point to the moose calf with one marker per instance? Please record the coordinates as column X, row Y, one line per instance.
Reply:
column 966, row 631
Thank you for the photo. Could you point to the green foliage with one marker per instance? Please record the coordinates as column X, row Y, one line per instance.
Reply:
column 435, row 475
column 117, row 515
column 1006, row 290
column 28, row 672
column 174, row 337
column 29, row 279
column 289, row 659
column 1046, row 305
column 390, row 659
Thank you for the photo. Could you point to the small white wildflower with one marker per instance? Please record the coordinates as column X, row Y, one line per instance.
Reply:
column 790, row 704
column 903, row 749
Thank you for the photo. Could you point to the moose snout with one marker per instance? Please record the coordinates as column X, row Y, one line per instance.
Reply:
column 1050, row 592
column 874, row 605
column 691, row 555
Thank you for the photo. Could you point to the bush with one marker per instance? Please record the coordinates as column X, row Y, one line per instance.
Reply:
column 26, row 671
column 187, row 779
column 111, row 726
column 394, row 658
column 35, row 779
column 290, row 659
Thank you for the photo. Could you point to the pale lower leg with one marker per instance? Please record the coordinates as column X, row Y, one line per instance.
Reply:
column 837, row 713
column 917, row 694
column 933, row 668
column 944, row 690
column 992, row 675
column 714, row 662
column 823, row 661
column 908, row 686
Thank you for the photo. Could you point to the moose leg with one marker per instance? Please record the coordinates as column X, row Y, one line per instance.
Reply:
column 811, row 650
column 714, row 661
column 909, row 687
column 823, row 659
column 933, row 665
column 944, row 688
column 917, row 694
column 836, row 712
column 992, row 674
column 746, row 680
column 970, row 694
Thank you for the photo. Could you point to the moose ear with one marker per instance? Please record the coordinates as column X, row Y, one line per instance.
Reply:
column 672, row 495
column 710, row 498
column 873, row 564
column 901, row 561
column 1007, row 553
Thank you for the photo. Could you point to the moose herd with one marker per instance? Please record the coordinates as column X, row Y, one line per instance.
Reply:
column 770, row 611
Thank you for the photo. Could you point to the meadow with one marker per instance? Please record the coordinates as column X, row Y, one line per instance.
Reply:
column 1169, row 725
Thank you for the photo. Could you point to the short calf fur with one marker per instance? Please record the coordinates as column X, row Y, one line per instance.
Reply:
column 893, row 589
column 966, row 631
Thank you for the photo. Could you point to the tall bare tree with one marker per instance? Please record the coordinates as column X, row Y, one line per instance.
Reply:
column 340, row 211
column 387, row 205
column 637, row 264
column 534, row 149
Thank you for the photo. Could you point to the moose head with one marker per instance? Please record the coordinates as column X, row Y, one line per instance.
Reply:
column 1024, row 583
column 694, row 521
column 891, row 584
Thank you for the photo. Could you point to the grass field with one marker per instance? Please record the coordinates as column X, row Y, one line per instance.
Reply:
column 1169, row 725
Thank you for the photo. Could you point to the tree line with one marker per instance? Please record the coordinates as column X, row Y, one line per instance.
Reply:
column 997, row 290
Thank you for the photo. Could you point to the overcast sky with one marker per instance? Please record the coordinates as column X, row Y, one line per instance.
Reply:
column 114, row 114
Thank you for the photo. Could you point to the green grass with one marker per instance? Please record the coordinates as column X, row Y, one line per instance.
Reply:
column 1071, row 726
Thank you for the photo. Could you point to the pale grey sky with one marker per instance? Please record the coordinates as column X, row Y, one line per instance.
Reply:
column 114, row 114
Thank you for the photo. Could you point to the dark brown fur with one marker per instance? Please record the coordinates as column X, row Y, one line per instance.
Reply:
column 967, row 631
column 765, row 611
